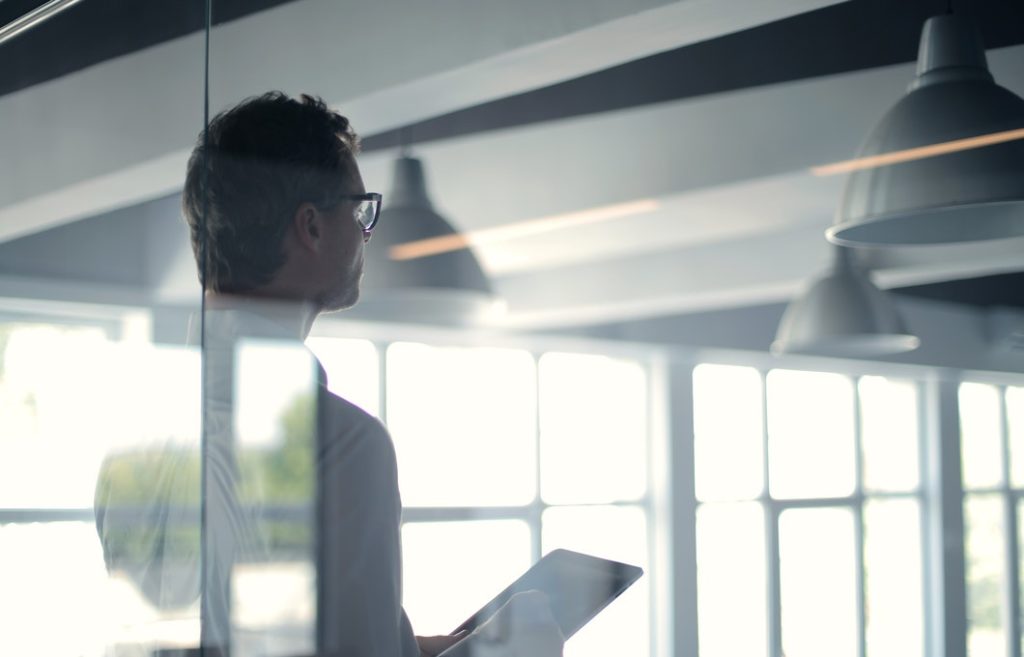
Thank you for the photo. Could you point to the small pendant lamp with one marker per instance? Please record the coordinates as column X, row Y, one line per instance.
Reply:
column 448, row 287
column 843, row 314
column 969, row 192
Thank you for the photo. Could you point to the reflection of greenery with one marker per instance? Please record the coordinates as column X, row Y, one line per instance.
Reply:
column 147, row 501
column 986, row 602
column 139, row 477
column 284, row 477
column 984, row 534
column 285, row 474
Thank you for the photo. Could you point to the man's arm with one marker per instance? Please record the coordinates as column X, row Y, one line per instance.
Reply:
column 431, row 646
column 359, row 581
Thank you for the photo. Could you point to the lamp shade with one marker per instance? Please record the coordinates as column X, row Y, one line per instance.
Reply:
column 843, row 314
column 967, row 192
column 445, row 287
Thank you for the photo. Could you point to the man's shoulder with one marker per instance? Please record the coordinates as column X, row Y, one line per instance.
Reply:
column 354, row 441
column 339, row 415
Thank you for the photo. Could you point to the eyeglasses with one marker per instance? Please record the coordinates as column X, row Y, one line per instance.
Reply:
column 367, row 210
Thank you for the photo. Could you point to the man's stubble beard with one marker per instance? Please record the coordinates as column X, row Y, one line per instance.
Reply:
column 341, row 299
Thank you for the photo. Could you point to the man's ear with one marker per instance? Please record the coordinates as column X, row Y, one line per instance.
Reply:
column 307, row 226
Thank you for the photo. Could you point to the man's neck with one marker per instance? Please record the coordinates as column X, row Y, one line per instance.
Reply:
column 295, row 317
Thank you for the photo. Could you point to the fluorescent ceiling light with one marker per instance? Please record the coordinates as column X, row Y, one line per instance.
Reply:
column 33, row 18
column 919, row 153
column 454, row 242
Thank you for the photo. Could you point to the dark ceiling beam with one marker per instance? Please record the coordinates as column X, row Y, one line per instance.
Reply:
column 841, row 38
column 94, row 31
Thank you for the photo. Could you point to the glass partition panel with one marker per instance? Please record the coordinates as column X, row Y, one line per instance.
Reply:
column 100, row 467
column 458, row 263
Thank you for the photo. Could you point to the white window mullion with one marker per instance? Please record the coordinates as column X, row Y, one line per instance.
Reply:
column 771, row 536
column 683, row 509
column 858, row 520
column 946, row 521
column 1011, row 592
column 537, row 506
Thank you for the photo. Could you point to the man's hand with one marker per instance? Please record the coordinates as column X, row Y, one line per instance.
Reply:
column 431, row 646
column 523, row 627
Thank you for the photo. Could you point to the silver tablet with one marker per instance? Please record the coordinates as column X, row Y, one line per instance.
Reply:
column 578, row 586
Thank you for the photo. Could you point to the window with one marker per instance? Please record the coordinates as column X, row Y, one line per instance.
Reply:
column 809, row 517
column 504, row 455
column 71, row 407
column 464, row 423
column 810, row 520
column 992, row 458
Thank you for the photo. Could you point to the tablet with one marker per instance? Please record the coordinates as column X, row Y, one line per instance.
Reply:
column 578, row 586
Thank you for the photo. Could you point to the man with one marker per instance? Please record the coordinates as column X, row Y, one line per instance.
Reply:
column 279, row 218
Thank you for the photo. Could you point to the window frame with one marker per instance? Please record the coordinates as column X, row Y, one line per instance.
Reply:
column 670, row 504
column 1011, row 498
column 115, row 322
column 774, row 507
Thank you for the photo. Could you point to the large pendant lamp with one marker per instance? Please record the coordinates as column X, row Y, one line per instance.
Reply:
column 447, row 287
column 925, row 175
column 843, row 314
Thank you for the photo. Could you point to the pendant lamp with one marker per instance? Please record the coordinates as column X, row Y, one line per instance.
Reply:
column 968, row 192
column 448, row 287
column 843, row 314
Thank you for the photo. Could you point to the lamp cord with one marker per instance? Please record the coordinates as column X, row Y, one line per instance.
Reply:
column 404, row 134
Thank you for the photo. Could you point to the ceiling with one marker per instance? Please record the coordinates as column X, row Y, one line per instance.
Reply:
column 703, row 116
